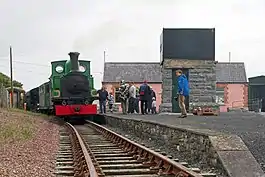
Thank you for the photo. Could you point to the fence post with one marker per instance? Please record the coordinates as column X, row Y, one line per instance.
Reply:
column 260, row 105
column 1, row 96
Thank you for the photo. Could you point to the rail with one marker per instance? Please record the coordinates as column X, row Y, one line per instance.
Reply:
column 163, row 164
column 81, row 152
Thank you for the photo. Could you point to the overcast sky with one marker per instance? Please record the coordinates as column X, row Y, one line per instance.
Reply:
column 43, row 31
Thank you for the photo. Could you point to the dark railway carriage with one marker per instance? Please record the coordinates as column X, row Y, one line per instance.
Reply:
column 45, row 103
column 32, row 100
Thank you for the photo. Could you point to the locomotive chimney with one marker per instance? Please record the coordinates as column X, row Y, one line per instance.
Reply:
column 74, row 60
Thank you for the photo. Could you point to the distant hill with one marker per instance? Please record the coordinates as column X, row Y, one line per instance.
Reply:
column 6, row 81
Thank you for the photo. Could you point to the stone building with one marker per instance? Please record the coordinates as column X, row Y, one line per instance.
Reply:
column 231, row 82
column 202, row 80
column 193, row 51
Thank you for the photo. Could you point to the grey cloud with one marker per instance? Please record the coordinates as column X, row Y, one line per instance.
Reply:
column 108, row 32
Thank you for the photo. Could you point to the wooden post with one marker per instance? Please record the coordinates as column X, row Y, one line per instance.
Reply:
column 11, row 77
column 229, row 57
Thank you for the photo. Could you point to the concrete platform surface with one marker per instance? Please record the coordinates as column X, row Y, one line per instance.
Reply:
column 249, row 126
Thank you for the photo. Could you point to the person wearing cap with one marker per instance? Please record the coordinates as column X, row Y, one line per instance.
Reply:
column 132, row 98
column 137, row 100
column 144, row 92
column 183, row 92
column 124, row 94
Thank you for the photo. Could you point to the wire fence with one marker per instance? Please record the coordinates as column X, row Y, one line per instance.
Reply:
column 256, row 105
column 4, row 98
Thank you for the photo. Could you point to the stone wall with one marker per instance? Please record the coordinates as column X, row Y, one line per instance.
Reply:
column 202, row 80
column 166, row 97
column 220, row 153
column 115, row 108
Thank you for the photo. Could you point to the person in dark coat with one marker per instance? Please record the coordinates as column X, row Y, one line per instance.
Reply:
column 103, row 96
column 137, row 100
column 144, row 92
column 150, row 99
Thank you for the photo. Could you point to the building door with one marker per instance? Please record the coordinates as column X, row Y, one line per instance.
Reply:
column 175, row 104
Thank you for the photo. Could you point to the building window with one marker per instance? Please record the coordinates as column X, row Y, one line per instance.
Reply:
column 220, row 95
column 47, row 88
column 117, row 95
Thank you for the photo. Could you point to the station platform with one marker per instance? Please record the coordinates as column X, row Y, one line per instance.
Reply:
column 249, row 126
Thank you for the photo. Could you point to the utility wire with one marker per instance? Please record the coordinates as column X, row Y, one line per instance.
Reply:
column 35, row 64
column 28, row 63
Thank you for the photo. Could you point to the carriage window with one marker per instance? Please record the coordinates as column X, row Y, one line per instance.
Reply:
column 47, row 90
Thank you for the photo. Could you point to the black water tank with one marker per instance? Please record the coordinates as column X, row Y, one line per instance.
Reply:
column 188, row 43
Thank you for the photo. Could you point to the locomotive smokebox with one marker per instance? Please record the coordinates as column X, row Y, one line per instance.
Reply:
column 74, row 60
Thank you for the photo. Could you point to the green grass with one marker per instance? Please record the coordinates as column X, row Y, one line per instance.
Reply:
column 16, row 132
column 28, row 112
column 19, row 128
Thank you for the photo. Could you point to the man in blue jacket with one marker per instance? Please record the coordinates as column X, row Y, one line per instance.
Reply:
column 183, row 91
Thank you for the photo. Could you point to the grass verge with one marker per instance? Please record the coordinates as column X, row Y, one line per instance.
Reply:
column 15, row 126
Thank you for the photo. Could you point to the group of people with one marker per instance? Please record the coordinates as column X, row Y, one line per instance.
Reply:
column 130, row 96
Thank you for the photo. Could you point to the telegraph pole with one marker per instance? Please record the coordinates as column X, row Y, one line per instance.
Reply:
column 104, row 56
column 11, row 76
column 229, row 57
column 104, row 59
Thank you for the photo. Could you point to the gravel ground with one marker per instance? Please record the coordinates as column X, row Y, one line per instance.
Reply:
column 249, row 126
column 28, row 144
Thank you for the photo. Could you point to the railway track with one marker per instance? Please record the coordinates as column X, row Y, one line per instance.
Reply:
column 93, row 150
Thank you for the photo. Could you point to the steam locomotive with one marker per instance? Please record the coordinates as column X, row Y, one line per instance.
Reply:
column 69, row 91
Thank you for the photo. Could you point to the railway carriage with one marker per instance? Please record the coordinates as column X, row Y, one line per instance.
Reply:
column 70, row 89
column 32, row 100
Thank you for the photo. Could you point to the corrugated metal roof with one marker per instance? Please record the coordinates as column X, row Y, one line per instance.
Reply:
column 138, row 72
column 233, row 72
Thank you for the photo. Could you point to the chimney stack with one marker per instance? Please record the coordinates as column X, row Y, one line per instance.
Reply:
column 74, row 60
